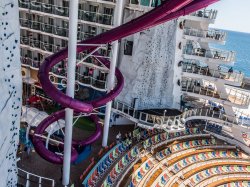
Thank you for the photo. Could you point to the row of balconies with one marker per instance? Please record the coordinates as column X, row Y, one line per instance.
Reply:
column 233, row 95
column 208, row 14
column 86, row 78
column 89, row 16
column 51, row 29
column 44, row 46
column 29, row 62
column 148, row 3
column 216, row 54
column 210, row 35
column 221, row 73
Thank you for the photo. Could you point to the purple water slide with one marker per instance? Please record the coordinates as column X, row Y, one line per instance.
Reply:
column 167, row 11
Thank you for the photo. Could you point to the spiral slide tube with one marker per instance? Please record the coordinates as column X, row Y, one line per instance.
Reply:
column 165, row 12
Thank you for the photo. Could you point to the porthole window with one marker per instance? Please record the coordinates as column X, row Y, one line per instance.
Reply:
column 180, row 45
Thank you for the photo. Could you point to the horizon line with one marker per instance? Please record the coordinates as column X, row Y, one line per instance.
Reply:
column 245, row 32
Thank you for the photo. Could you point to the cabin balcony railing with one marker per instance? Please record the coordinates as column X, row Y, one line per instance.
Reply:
column 208, row 14
column 233, row 95
column 82, row 79
column 30, row 62
column 60, row 31
column 148, row 3
column 45, row 46
column 220, row 74
column 95, row 82
column 226, row 56
column 209, row 34
column 95, row 17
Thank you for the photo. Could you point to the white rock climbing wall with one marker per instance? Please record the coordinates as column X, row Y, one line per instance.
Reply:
column 149, row 72
column 10, row 91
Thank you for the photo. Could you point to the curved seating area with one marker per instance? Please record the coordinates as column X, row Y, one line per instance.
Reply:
column 215, row 181
column 141, row 172
column 160, row 138
column 107, row 160
column 184, row 145
column 120, row 166
column 186, row 158
column 238, row 183
column 218, row 170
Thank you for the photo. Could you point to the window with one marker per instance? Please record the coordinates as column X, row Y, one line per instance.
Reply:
column 128, row 48
column 93, row 8
column 108, row 11
column 92, row 30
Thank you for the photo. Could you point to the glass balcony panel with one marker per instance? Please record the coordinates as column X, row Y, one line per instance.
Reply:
column 145, row 2
column 135, row 2
column 47, row 8
column 48, row 28
column 24, row 23
column 36, row 25
column 209, row 14
column 105, row 19
column 24, row 4
column 61, row 11
column 35, row 6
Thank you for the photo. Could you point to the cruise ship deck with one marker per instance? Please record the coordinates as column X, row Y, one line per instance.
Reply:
column 128, row 93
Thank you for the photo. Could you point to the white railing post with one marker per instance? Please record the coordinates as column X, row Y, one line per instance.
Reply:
column 53, row 183
column 40, row 182
column 27, row 180
column 115, row 48
column 123, row 107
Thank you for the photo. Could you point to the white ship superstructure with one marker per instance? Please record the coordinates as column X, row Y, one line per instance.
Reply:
column 167, row 67
column 170, row 66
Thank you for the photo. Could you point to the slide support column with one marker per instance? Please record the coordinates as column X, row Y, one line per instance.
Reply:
column 73, row 21
column 111, row 77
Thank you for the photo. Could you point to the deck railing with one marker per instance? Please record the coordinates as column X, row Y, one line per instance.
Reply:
column 165, row 122
column 29, row 179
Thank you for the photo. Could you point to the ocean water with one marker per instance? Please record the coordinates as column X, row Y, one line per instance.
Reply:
column 240, row 43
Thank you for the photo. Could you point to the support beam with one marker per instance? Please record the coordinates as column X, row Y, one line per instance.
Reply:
column 111, row 78
column 73, row 21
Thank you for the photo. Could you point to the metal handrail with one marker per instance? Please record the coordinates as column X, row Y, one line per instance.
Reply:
column 40, row 178
column 158, row 121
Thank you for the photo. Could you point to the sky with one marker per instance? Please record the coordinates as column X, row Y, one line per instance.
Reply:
column 232, row 15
